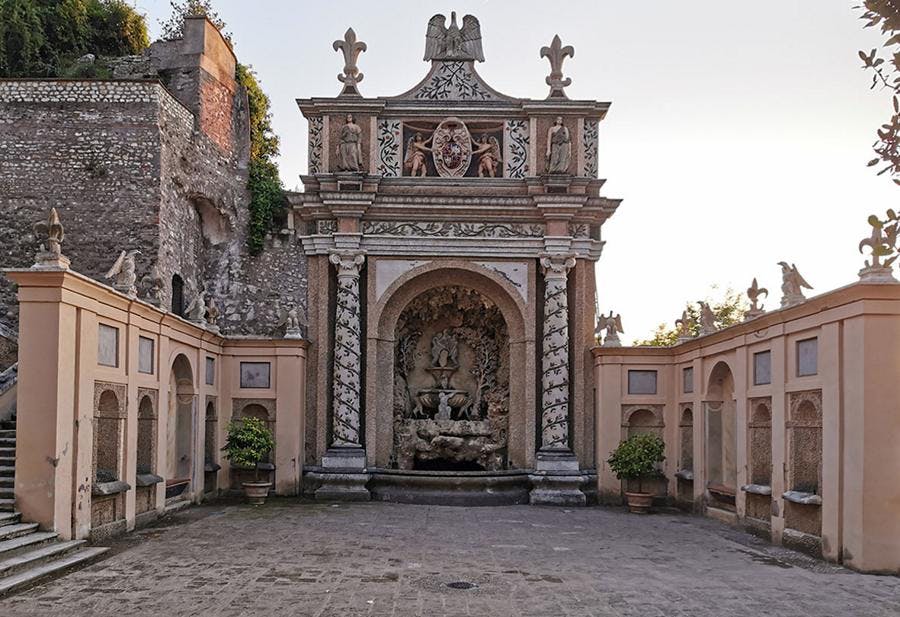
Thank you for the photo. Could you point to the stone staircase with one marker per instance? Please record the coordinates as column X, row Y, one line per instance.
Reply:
column 27, row 554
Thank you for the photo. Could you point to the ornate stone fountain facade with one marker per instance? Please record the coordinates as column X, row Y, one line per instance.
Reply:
column 451, row 234
column 451, row 383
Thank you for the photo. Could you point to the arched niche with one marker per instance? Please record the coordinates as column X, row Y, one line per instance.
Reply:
column 109, row 432
column 721, row 435
column 382, row 326
column 642, row 419
column 451, row 383
column 686, row 439
column 180, row 425
column 146, row 433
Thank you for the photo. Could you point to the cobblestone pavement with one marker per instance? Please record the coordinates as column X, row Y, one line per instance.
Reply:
column 386, row 559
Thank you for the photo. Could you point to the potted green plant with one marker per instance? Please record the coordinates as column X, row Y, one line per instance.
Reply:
column 637, row 458
column 249, row 441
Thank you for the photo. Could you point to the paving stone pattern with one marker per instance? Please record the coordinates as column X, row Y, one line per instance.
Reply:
column 387, row 559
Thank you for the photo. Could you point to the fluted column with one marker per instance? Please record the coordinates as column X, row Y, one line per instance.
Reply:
column 347, row 350
column 555, row 355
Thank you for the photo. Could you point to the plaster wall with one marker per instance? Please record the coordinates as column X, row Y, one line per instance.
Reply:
column 61, row 312
column 858, row 332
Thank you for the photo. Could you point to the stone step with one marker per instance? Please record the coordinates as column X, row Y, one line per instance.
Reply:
column 32, row 540
column 6, row 492
column 56, row 566
column 8, row 453
column 7, row 471
column 8, row 532
column 9, row 518
column 7, row 505
column 7, row 442
column 7, row 481
column 8, row 433
column 37, row 556
column 7, row 461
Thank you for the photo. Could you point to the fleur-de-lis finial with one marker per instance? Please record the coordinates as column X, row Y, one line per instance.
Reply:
column 556, row 53
column 351, row 76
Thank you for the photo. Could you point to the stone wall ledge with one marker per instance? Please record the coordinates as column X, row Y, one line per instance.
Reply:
column 802, row 498
column 757, row 489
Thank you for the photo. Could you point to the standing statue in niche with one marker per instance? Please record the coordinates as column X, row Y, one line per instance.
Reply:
column 489, row 156
column 349, row 150
column 559, row 148
column 416, row 148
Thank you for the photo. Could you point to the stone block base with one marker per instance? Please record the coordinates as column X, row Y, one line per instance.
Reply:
column 343, row 476
column 557, row 489
column 337, row 486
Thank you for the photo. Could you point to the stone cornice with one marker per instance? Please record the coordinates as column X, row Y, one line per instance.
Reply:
column 852, row 300
column 70, row 287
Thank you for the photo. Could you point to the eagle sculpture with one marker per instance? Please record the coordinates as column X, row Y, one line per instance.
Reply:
column 453, row 43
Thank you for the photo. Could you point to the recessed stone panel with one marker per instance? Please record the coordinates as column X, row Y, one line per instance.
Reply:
column 256, row 375
column 107, row 345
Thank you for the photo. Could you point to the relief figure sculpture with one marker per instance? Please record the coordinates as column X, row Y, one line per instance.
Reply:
column 416, row 148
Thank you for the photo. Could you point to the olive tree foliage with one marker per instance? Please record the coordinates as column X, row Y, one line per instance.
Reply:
column 729, row 310
column 44, row 38
column 885, row 69
column 173, row 27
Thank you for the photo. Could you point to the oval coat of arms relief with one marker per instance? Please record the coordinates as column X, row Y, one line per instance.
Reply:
column 452, row 148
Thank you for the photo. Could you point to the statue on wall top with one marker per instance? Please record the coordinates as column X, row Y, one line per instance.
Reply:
column 792, row 284
column 52, row 230
column 559, row 148
column 453, row 43
column 707, row 319
column 556, row 53
column 613, row 326
column 196, row 310
column 349, row 150
column 416, row 148
column 489, row 156
column 152, row 286
column 753, row 294
column 123, row 273
column 882, row 243
column 685, row 326
column 351, row 49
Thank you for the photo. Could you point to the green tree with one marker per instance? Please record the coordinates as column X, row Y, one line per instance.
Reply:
column 173, row 27
column 885, row 14
column 729, row 310
column 267, row 198
column 44, row 38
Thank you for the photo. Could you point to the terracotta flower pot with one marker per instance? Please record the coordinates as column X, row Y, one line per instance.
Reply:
column 256, row 492
column 639, row 503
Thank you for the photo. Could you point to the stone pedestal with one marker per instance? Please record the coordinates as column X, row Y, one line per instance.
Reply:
column 557, row 480
column 344, row 476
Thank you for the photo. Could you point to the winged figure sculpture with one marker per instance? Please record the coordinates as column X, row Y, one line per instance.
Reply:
column 453, row 43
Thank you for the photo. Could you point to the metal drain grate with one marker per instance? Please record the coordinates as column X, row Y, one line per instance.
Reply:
column 461, row 585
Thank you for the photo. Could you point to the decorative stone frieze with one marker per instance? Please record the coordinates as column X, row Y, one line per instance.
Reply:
column 347, row 350
column 450, row 229
column 316, row 145
column 516, row 141
column 390, row 140
column 455, row 81
column 590, row 146
column 555, row 354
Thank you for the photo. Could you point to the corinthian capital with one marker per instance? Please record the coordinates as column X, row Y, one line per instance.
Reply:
column 557, row 266
column 348, row 263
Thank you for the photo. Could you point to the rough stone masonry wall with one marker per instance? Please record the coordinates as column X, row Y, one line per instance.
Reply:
column 90, row 149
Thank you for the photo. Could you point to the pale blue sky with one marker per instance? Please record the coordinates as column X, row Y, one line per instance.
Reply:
column 738, row 134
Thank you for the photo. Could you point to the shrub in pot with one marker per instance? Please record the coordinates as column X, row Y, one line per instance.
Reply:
column 249, row 441
column 637, row 458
